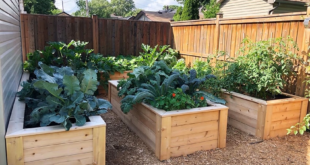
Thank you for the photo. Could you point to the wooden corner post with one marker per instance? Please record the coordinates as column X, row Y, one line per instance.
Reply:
column 217, row 32
column 95, row 34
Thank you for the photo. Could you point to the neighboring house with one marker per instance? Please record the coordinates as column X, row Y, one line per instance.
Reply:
column 159, row 16
column 113, row 16
column 64, row 14
column 240, row 8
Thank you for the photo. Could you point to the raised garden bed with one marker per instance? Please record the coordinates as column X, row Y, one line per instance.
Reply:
column 115, row 76
column 265, row 119
column 52, row 144
column 174, row 133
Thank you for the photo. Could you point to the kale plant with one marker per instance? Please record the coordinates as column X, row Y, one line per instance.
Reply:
column 153, row 85
column 57, row 95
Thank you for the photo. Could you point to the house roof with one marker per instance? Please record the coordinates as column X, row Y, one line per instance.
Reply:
column 63, row 14
column 160, row 16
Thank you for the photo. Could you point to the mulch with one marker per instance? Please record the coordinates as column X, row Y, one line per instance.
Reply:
column 125, row 147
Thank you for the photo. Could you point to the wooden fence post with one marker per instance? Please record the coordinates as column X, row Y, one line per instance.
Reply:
column 95, row 34
column 217, row 35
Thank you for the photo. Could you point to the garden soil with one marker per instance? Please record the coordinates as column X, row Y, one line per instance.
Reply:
column 124, row 147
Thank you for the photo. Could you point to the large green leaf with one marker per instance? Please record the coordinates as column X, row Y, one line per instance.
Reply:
column 72, row 84
column 44, row 76
column 80, row 120
column 52, row 88
column 89, row 83
column 104, row 104
column 57, row 118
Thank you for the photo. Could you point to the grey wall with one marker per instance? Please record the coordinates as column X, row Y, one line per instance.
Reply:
column 10, row 64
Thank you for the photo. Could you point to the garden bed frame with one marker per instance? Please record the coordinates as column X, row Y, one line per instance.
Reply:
column 174, row 133
column 52, row 144
column 115, row 76
column 264, row 119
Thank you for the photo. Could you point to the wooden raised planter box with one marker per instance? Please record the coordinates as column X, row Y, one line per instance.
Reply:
column 174, row 133
column 52, row 144
column 264, row 119
column 115, row 76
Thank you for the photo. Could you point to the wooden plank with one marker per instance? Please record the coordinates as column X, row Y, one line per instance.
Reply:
column 23, row 37
column 46, row 152
column 15, row 151
column 259, row 20
column 285, row 107
column 303, row 110
column 268, row 121
column 165, row 136
column 99, row 145
column 243, row 119
column 175, row 24
column 194, row 128
column 285, row 115
column 145, row 120
column 278, row 133
column 283, row 124
column 241, row 126
column 95, row 33
column 158, row 136
column 194, row 138
column 223, row 116
column 57, row 138
column 78, row 159
column 261, row 116
column 243, row 107
column 191, row 148
column 194, row 118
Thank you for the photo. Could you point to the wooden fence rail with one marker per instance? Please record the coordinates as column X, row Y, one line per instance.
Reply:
column 109, row 37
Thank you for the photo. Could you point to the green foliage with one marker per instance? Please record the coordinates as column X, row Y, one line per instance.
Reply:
column 262, row 70
column 178, row 15
column 174, row 7
column 211, row 9
column 153, row 84
column 150, row 55
column 181, row 66
column 101, row 8
column 122, row 7
column 59, row 54
column 300, row 127
column 190, row 10
column 57, row 95
column 56, row 11
column 133, row 12
column 202, row 68
column 39, row 6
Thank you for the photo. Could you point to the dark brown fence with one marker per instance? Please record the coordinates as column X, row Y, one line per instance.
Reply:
column 109, row 37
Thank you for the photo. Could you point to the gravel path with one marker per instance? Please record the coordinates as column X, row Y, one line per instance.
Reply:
column 124, row 147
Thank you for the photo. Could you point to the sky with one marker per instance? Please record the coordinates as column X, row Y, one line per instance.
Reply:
column 150, row 5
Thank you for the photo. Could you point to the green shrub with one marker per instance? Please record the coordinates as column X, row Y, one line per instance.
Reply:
column 262, row 70
column 178, row 15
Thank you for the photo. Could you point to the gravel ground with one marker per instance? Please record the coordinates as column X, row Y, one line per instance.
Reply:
column 124, row 147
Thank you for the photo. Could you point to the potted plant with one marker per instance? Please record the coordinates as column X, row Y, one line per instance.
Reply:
column 47, row 107
column 164, row 108
column 254, row 84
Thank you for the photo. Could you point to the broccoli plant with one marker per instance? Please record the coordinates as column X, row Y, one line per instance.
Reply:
column 57, row 95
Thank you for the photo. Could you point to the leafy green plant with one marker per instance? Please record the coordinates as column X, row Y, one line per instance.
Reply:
column 261, row 71
column 150, row 55
column 181, row 66
column 300, row 127
column 59, row 54
column 147, row 84
column 57, row 95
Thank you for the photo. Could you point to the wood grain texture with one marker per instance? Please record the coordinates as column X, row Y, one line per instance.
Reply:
column 14, row 148
column 176, row 133
column 99, row 145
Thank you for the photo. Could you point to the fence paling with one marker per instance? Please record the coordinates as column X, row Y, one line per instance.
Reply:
column 109, row 37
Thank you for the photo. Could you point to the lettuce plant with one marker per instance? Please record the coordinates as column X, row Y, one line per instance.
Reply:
column 57, row 95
